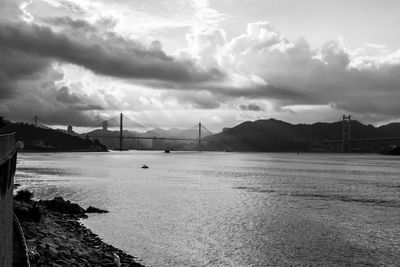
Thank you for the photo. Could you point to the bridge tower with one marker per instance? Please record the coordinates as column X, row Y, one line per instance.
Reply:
column 120, row 133
column 346, row 133
column 105, row 125
column 35, row 120
column 199, row 136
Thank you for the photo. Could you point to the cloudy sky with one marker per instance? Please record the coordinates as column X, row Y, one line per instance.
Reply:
column 177, row 62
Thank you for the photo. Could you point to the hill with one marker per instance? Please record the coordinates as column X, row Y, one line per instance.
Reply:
column 276, row 135
column 111, row 139
column 40, row 139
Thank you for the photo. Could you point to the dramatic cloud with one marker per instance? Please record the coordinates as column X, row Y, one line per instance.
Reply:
column 86, row 60
column 112, row 56
column 29, row 51
column 294, row 73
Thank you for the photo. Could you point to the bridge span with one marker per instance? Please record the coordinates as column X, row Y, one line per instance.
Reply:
column 345, row 143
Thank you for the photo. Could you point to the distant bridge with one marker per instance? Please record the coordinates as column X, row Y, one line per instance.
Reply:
column 124, row 121
column 345, row 143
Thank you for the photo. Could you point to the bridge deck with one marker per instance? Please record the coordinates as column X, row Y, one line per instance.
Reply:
column 365, row 140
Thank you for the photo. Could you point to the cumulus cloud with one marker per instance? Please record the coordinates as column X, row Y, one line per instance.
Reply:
column 29, row 49
column 212, row 72
column 365, row 80
column 53, row 102
column 112, row 56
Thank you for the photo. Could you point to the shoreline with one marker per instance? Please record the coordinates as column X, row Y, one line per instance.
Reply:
column 60, row 239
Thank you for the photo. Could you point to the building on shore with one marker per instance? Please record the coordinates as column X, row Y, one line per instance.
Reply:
column 70, row 130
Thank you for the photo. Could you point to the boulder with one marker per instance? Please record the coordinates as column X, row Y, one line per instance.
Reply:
column 95, row 210
column 58, row 204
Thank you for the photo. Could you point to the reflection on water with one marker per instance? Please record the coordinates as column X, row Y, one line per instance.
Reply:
column 232, row 209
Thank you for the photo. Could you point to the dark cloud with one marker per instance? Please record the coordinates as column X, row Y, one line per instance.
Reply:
column 251, row 107
column 267, row 66
column 54, row 106
column 27, row 75
column 7, row 86
column 69, row 100
column 224, row 93
column 63, row 95
column 114, row 57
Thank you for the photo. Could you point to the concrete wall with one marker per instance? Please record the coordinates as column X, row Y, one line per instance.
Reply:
column 8, row 160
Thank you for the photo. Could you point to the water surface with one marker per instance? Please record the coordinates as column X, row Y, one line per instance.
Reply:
column 232, row 209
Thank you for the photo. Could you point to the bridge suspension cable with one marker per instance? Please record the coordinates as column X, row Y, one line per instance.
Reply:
column 354, row 118
column 135, row 124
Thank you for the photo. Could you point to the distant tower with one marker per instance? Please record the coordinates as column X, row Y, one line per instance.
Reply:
column 69, row 129
column 199, row 136
column 121, row 145
column 105, row 126
column 346, row 133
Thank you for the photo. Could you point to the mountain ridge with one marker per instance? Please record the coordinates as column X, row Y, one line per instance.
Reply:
column 272, row 135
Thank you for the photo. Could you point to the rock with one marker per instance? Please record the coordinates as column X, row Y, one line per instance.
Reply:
column 95, row 210
column 60, row 205
column 61, row 240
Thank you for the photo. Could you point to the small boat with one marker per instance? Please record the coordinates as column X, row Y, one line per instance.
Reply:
column 145, row 166
column 166, row 151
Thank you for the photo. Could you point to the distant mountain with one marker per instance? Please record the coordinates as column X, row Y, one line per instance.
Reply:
column 176, row 133
column 276, row 135
column 158, row 132
column 45, row 139
column 269, row 135
column 392, row 129
column 111, row 139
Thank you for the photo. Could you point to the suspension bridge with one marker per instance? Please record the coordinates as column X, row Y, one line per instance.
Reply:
column 347, row 142
column 129, row 129
column 195, row 135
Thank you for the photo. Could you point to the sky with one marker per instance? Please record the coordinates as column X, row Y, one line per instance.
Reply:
column 220, row 62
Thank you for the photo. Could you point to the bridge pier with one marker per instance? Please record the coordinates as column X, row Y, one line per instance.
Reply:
column 199, row 136
column 120, row 133
column 346, row 133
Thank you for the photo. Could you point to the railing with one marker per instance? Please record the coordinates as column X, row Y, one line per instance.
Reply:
column 7, row 144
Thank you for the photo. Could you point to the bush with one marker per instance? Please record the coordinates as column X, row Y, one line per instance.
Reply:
column 24, row 195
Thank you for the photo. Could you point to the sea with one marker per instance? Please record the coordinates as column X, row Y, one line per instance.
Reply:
column 231, row 209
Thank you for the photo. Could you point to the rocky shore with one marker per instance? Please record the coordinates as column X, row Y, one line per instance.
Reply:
column 55, row 237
